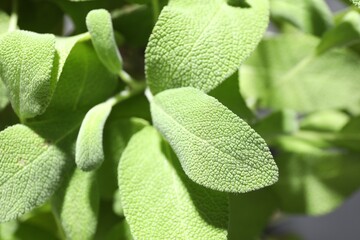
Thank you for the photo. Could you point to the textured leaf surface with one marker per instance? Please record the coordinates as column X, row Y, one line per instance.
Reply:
column 311, row 16
column 26, row 62
column 30, row 170
column 216, row 148
column 77, row 205
column 102, row 35
column 287, row 75
column 166, row 204
column 199, row 43
column 3, row 96
column 89, row 143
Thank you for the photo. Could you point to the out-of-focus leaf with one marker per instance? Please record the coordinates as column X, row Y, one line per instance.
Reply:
column 228, row 93
column 345, row 33
column 349, row 136
column 4, row 22
column 250, row 213
column 356, row 2
column 282, row 75
column 120, row 231
column 169, row 201
column 311, row 16
column 327, row 120
column 77, row 204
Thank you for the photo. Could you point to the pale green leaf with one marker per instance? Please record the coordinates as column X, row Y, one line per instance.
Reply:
column 282, row 74
column 346, row 32
column 199, row 43
column 3, row 95
column 160, row 201
column 117, row 133
column 31, row 168
column 26, row 63
column 356, row 2
column 311, row 16
column 4, row 22
column 102, row 35
column 216, row 148
column 89, row 153
column 327, row 120
column 77, row 204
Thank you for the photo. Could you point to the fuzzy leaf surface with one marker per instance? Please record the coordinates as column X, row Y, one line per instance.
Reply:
column 89, row 144
column 26, row 63
column 216, row 148
column 102, row 35
column 199, row 43
column 169, row 202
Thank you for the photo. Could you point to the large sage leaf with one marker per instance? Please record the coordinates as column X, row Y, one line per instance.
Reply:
column 282, row 74
column 26, row 64
column 76, row 205
column 102, row 35
column 31, row 169
column 199, row 43
column 216, row 148
column 166, row 204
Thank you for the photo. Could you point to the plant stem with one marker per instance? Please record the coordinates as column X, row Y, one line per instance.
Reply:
column 130, row 81
column 126, row 94
column 156, row 9
column 14, row 17
column 59, row 226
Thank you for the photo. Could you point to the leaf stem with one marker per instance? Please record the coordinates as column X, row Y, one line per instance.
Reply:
column 61, row 231
column 156, row 9
column 127, row 93
column 14, row 16
column 133, row 84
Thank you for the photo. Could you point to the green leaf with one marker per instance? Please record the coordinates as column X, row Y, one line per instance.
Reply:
column 356, row 2
column 167, row 201
column 349, row 136
column 26, row 63
column 228, row 93
column 282, row 75
column 216, row 148
column 117, row 134
column 250, row 213
column 84, row 81
column 3, row 96
column 89, row 144
column 328, row 120
column 4, row 22
column 200, row 43
column 345, row 33
column 102, row 35
column 311, row 16
column 120, row 231
column 77, row 204
column 31, row 168
column 316, row 183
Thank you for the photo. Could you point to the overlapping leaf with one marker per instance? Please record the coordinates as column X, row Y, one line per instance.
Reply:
column 216, row 148
column 199, row 43
column 166, row 199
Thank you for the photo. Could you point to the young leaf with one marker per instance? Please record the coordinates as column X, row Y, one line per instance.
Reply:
column 311, row 16
column 101, row 30
column 216, row 148
column 199, row 43
column 89, row 144
column 287, row 75
column 77, row 204
column 26, row 63
column 166, row 204
column 30, row 170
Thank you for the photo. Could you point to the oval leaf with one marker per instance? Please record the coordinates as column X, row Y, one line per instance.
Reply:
column 160, row 201
column 199, row 43
column 26, row 63
column 30, row 171
column 101, row 30
column 216, row 148
column 77, row 206
column 89, row 143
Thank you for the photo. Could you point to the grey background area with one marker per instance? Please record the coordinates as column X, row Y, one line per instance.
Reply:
column 342, row 224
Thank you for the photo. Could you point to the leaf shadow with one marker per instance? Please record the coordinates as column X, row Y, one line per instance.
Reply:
column 238, row 3
column 211, row 205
